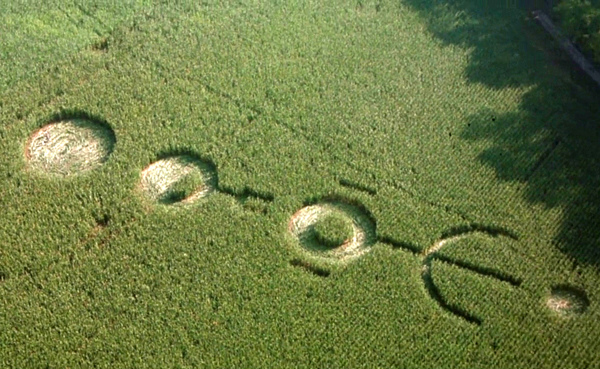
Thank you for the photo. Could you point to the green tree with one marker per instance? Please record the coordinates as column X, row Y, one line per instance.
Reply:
column 581, row 20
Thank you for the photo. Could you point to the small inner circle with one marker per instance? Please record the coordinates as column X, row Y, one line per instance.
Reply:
column 333, row 230
column 567, row 301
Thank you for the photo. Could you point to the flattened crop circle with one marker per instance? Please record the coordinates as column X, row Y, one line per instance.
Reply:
column 160, row 179
column 70, row 147
column 567, row 301
column 302, row 224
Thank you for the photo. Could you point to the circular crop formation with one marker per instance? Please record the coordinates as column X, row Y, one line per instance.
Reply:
column 70, row 147
column 333, row 231
column 329, row 231
column 181, row 179
column 567, row 301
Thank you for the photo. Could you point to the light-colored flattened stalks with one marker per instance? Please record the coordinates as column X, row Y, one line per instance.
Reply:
column 363, row 236
column 159, row 178
column 69, row 147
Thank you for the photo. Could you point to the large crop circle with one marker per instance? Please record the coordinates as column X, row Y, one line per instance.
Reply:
column 181, row 179
column 303, row 223
column 70, row 147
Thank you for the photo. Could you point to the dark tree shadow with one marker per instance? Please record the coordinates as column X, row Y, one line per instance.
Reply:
column 551, row 144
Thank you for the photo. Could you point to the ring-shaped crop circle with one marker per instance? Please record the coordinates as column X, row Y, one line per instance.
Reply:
column 302, row 228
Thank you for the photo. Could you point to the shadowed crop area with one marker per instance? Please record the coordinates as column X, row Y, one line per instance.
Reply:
column 302, row 184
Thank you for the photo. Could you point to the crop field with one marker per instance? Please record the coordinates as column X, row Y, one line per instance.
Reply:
column 295, row 184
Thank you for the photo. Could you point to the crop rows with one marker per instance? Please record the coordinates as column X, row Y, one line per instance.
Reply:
column 445, row 134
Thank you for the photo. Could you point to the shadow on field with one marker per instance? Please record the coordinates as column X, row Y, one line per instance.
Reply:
column 551, row 144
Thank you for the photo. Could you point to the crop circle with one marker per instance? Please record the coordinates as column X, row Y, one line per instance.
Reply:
column 305, row 227
column 182, row 180
column 70, row 147
column 567, row 301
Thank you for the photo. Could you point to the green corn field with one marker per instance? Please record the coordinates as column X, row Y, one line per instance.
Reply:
column 168, row 168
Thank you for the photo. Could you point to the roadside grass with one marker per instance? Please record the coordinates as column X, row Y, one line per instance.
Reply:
column 441, row 121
